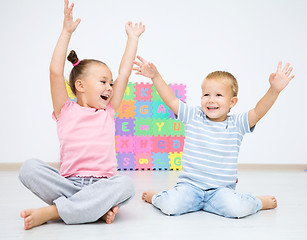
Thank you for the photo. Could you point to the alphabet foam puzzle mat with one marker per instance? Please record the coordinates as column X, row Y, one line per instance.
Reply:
column 147, row 135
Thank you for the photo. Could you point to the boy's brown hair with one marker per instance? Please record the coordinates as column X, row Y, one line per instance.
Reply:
column 224, row 76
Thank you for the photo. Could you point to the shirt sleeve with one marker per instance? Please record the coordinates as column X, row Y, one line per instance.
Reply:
column 243, row 124
column 111, row 110
column 185, row 112
column 66, row 106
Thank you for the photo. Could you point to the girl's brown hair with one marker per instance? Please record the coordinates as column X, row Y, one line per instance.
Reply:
column 79, row 69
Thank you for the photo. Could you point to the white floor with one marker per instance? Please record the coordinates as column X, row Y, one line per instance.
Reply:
column 139, row 220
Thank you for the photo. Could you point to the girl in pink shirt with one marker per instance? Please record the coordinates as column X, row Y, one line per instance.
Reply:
column 87, row 187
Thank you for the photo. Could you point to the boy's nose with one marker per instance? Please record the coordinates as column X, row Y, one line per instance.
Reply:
column 211, row 99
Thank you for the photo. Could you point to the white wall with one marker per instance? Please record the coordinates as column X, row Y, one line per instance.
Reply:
column 186, row 39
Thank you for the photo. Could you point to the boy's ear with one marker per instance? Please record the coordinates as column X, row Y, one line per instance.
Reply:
column 233, row 102
column 79, row 85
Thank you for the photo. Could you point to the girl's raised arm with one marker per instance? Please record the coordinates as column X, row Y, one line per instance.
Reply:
column 57, row 81
column 126, row 65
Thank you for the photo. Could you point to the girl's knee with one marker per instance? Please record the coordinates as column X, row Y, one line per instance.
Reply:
column 28, row 169
column 127, row 185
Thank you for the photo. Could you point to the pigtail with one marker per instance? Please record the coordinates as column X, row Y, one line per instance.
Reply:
column 73, row 58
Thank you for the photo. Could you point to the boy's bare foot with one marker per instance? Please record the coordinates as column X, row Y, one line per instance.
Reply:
column 38, row 216
column 268, row 202
column 110, row 215
column 147, row 196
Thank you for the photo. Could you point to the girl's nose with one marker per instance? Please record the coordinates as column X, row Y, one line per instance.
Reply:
column 109, row 86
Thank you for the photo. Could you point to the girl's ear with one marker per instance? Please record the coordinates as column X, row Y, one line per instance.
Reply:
column 79, row 85
column 233, row 102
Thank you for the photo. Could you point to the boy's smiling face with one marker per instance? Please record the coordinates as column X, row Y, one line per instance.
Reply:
column 217, row 99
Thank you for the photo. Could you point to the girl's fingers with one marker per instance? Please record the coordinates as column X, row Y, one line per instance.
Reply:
column 279, row 66
column 66, row 7
column 78, row 22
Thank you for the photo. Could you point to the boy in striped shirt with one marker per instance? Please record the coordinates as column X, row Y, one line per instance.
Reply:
column 212, row 141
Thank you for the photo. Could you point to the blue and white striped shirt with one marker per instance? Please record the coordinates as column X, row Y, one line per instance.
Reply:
column 211, row 149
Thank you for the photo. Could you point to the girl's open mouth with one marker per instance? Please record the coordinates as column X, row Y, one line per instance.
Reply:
column 104, row 97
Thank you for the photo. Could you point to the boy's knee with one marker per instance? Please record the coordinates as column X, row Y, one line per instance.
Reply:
column 170, row 209
column 166, row 206
column 240, row 210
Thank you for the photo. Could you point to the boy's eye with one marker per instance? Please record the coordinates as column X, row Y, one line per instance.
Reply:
column 219, row 95
column 206, row 95
column 111, row 84
column 104, row 82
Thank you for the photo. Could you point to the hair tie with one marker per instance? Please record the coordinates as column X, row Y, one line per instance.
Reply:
column 75, row 64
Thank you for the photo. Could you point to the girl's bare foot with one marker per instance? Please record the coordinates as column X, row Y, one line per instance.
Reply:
column 38, row 216
column 147, row 196
column 110, row 215
column 268, row 202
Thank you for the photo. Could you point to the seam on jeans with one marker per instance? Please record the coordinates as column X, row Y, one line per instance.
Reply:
column 212, row 205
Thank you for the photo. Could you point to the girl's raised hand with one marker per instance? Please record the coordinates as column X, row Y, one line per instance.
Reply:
column 69, row 24
column 280, row 79
column 135, row 30
column 147, row 69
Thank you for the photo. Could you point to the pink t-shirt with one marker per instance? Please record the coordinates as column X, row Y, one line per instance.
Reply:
column 87, row 141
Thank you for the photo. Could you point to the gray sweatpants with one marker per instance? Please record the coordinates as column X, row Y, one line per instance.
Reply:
column 78, row 200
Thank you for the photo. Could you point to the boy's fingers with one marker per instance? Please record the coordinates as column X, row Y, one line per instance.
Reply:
column 286, row 67
column 137, row 63
column 141, row 59
column 289, row 71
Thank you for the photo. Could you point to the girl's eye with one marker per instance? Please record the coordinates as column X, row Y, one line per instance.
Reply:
column 219, row 95
column 111, row 84
column 104, row 82
column 206, row 95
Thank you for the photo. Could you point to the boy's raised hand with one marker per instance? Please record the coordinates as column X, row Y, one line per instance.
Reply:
column 135, row 30
column 69, row 24
column 280, row 79
column 147, row 69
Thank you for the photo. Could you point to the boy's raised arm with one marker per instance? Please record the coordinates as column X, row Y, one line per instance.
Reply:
column 147, row 69
column 126, row 65
column 278, row 81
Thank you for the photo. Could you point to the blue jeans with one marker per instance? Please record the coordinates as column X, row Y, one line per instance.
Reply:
column 185, row 198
